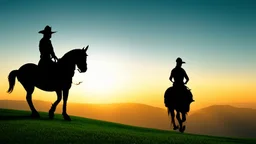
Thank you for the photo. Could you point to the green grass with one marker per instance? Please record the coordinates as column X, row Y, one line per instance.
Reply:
column 17, row 127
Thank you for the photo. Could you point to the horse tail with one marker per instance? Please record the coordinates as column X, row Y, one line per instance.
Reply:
column 11, row 78
column 168, row 111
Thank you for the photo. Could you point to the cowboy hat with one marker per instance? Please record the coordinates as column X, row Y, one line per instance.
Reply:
column 47, row 30
column 179, row 60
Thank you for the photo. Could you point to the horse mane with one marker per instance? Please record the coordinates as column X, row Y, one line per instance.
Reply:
column 67, row 55
column 68, row 60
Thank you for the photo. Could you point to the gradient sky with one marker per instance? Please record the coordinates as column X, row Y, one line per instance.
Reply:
column 134, row 44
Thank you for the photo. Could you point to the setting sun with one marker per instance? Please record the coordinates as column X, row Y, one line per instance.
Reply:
column 102, row 77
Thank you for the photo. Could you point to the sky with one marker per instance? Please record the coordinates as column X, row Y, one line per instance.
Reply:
column 134, row 45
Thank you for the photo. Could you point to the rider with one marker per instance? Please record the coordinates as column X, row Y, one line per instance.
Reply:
column 178, row 74
column 46, row 48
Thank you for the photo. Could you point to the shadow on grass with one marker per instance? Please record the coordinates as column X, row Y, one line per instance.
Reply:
column 28, row 117
column 21, row 117
column 2, row 118
column 9, row 114
column 25, row 116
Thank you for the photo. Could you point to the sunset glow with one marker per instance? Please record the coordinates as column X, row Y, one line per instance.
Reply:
column 133, row 47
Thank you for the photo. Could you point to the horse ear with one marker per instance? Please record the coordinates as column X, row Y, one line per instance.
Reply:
column 86, row 48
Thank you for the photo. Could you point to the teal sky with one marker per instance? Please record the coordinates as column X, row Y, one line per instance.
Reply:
column 214, row 37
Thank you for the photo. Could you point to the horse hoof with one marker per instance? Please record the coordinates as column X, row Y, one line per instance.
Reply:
column 175, row 128
column 35, row 115
column 51, row 115
column 182, row 129
column 66, row 117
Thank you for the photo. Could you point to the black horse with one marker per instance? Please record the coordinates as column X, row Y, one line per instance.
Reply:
column 59, row 80
column 179, row 100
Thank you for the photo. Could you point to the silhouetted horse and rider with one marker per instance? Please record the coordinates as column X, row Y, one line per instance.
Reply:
column 57, row 76
column 178, row 97
column 50, row 75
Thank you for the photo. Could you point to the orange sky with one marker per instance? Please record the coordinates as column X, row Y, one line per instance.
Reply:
column 144, row 88
column 134, row 45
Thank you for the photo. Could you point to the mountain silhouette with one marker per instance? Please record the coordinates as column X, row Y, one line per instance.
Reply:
column 223, row 120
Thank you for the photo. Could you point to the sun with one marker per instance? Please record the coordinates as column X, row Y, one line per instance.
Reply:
column 102, row 77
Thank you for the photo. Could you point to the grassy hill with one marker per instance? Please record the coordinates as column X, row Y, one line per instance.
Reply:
column 126, row 113
column 17, row 127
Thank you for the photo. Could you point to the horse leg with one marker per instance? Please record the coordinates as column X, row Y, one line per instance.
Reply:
column 54, row 105
column 182, row 128
column 64, row 110
column 183, row 120
column 184, row 117
column 175, row 127
column 30, row 90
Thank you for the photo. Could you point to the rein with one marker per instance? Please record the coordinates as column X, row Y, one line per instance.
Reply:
column 78, row 82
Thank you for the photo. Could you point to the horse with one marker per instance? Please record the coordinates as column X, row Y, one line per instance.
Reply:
column 179, row 102
column 58, row 79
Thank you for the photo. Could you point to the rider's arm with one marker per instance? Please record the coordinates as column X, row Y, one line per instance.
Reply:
column 186, row 77
column 52, row 51
column 171, row 76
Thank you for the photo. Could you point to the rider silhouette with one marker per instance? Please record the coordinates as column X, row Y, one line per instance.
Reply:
column 178, row 74
column 46, row 48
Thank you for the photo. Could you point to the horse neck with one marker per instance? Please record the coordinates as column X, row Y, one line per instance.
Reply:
column 67, row 63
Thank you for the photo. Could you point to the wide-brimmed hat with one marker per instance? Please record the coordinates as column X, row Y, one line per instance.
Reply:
column 47, row 30
column 179, row 60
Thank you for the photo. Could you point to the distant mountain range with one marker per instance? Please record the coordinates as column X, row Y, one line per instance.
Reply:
column 223, row 120
column 218, row 120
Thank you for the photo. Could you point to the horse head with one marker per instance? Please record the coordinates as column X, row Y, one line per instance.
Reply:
column 81, row 60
